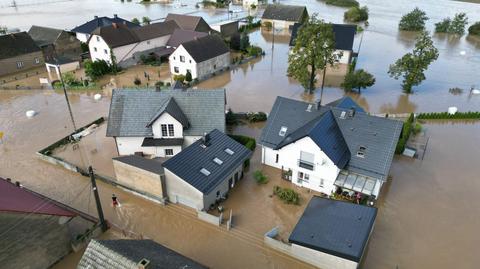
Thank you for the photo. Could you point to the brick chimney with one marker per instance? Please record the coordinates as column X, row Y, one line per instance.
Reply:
column 114, row 25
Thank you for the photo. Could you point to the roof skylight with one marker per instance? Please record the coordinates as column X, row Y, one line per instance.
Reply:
column 218, row 161
column 205, row 172
column 283, row 131
column 229, row 151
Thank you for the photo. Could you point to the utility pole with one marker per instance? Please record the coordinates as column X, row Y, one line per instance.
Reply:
column 273, row 34
column 66, row 97
column 103, row 224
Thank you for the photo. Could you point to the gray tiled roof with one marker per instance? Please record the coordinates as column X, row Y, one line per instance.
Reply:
column 187, row 22
column 90, row 26
column 284, row 12
column 143, row 163
column 188, row 163
column 171, row 107
column 16, row 44
column 378, row 135
column 181, row 36
column 44, row 35
column 335, row 227
column 205, row 48
column 131, row 110
column 126, row 254
column 344, row 35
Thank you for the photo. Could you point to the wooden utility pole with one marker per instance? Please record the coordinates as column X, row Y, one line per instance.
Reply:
column 66, row 97
column 273, row 34
column 103, row 224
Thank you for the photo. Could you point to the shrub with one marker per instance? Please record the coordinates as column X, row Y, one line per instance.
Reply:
column 84, row 47
column 257, row 117
column 342, row 3
column 356, row 14
column 146, row 20
column 254, row 51
column 248, row 142
column 287, row 195
column 97, row 69
column 474, row 29
column 406, row 131
column 445, row 115
column 231, row 118
column 260, row 177
column 443, row 26
column 413, row 21
column 135, row 21
column 137, row 81
column 159, row 84
column 180, row 78
column 188, row 77
column 417, row 129
column 455, row 26
column 359, row 79
column 268, row 25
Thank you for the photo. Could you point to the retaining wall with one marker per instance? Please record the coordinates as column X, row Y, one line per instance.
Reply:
column 202, row 215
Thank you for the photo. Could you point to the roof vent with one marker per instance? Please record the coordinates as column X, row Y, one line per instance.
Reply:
column 283, row 131
column 205, row 172
column 115, row 16
column 351, row 112
column 143, row 264
column 95, row 17
column 309, row 108
column 343, row 114
column 206, row 140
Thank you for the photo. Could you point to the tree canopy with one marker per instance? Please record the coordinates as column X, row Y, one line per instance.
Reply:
column 455, row 26
column 135, row 21
column 146, row 20
column 359, row 79
column 356, row 14
column 413, row 21
column 413, row 64
column 314, row 50
column 97, row 69
column 474, row 29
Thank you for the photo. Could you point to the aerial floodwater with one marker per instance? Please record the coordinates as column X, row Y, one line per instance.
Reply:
column 427, row 215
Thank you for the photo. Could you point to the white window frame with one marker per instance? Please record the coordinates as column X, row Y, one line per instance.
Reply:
column 37, row 61
column 20, row 64
column 176, row 69
column 182, row 58
column 171, row 130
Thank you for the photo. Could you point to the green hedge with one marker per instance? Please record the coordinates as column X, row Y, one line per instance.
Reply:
column 445, row 115
column 248, row 142
column 342, row 3
column 406, row 131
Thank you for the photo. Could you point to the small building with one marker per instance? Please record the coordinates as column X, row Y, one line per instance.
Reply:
column 205, row 171
column 284, row 16
column 124, row 45
column 227, row 29
column 333, row 234
column 188, row 22
column 201, row 57
column 84, row 31
column 161, row 123
column 56, row 43
column 37, row 232
column 19, row 52
column 133, row 254
column 332, row 148
column 344, row 37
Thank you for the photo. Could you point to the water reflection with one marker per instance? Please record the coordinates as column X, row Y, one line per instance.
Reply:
column 407, row 38
column 403, row 105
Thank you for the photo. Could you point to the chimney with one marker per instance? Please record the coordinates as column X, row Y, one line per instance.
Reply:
column 9, row 179
column 351, row 112
column 206, row 139
column 95, row 17
column 17, row 183
column 317, row 105
column 143, row 264
column 115, row 16
column 114, row 25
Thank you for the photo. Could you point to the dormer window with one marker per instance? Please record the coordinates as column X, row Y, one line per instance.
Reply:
column 283, row 131
column 167, row 130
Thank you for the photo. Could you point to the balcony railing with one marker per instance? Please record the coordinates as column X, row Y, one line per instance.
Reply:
column 306, row 165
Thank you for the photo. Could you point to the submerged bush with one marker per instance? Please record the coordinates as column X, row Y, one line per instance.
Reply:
column 342, row 3
column 474, row 29
column 413, row 21
column 287, row 195
column 406, row 131
column 356, row 14
column 455, row 26
column 445, row 115
column 260, row 177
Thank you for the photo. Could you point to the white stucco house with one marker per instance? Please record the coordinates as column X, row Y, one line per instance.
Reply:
column 84, row 31
column 161, row 123
column 329, row 148
column 201, row 57
column 124, row 45
column 284, row 16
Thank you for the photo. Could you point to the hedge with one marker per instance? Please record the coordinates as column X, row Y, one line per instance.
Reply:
column 248, row 142
column 445, row 115
column 406, row 131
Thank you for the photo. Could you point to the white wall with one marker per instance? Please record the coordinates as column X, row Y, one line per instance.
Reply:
column 289, row 155
column 130, row 145
column 166, row 118
column 278, row 24
column 99, row 49
column 345, row 59
column 82, row 37
column 178, row 191
column 321, row 259
column 198, row 70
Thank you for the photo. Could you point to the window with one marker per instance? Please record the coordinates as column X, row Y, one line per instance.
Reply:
column 283, row 131
column 321, row 183
column 168, row 152
column 306, row 160
column 182, row 59
column 214, row 66
column 218, row 161
column 170, row 130
column 218, row 194
column 205, row 172
column 190, row 61
column 229, row 151
column 105, row 51
column 306, row 177
column 37, row 61
column 98, row 38
column 300, row 177
column 276, row 159
column 176, row 70
column 164, row 130
column 19, row 65
column 174, row 57
column 95, row 49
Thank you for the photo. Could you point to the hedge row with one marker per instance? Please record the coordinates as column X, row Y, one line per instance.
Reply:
column 445, row 115
column 248, row 142
column 406, row 131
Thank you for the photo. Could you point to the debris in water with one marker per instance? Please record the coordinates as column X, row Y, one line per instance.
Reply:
column 30, row 113
column 97, row 96
column 452, row 110
column 463, row 52
column 475, row 91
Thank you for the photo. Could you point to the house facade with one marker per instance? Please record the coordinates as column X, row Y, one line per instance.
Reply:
column 162, row 123
column 201, row 57
column 84, row 31
column 331, row 147
column 284, row 16
column 19, row 53
column 56, row 43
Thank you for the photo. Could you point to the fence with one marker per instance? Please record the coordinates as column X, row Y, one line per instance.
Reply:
column 217, row 221
column 21, row 76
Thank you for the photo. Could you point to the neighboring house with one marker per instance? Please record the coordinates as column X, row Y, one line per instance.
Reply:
column 205, row 171
column 324, row 148
column 344, row 37
column 249, row 3
column 161, row 123
column 201, row 57
column 333, row 234
column 133, row 254
column 19, row 52
column 36, row 231
column 125, row 45
column 188, row 22
column 227, row 28
column 284, row 16
column 56, row 43
column 84, row 31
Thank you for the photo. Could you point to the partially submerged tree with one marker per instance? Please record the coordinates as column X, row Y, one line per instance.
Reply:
column 359, row 79
column 413, row 64
column 314, row 50
column 474, row 29
column 413, row 21
column 96, row 69
column 356, row 14
column 146, row 20
column 455, row 26
column 135, row 21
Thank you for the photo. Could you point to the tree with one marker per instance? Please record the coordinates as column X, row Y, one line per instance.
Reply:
column 188, row 77
column 314, row 50
column 359, row 79
column 455, row 26
column 356, row 14
column 244, row 42
column 413, row 65
column 135, row 21
column 146, row 20
column 474, row 29
column 96, row 69
column 413, row 21
column 3, row 30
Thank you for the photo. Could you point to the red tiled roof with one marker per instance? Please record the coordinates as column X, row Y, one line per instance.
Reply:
column 21, row 200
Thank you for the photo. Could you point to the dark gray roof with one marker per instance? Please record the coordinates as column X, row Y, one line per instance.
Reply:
column 378, row 135
column 180, row 36
column 155, row 30
column 131, row 110
column 126, row 254
column 171, row 107
column 187, row 22
column 90, row 26
column 335, row 227
column 346, row 102
column 44, row 35
column 344, row 35
column 142, row 163
column 12, row 45
column 205, row 48
column 188, row 163
column 284, row 12
column 159, row 142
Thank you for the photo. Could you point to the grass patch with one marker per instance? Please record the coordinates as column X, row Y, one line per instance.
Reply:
column 342, row 3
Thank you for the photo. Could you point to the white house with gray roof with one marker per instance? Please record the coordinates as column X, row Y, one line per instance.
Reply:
column 328, row 147
column 161, row 123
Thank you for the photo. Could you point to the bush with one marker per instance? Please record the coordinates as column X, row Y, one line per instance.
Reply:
column 254, row 51
column 231, row 118
column 455, row 26
column 413, row 21
column 356, row 14
column 442, row 27
column 474, row 29
column 84, row 47
column 70, row 80
column 188, row 77
column 159, row 84
column 406, row 131
column 180, row 78
column 97, row 69
column 268, row 25
column 257, row 117
column 417, row 129
column 248, row 142
column 250, row 26
column 359, row 79
column 146, row 20
column 260, row 177
column 342, row 3
column 135, row 21
column 287, row 195
column 137, row 81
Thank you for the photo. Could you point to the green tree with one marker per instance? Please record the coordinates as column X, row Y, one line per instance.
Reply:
column 70, row 80
column 146, row 20
column 413, row 21
column 3, row 30
column 188, row 77
column 135, row 21
column 455, row 26
column 244, row 42
column 474, row 29
column 96, row 69
column 413, row 64
column 356, row 14
column 359, row 79
column 443, row 26
column 314, row 50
